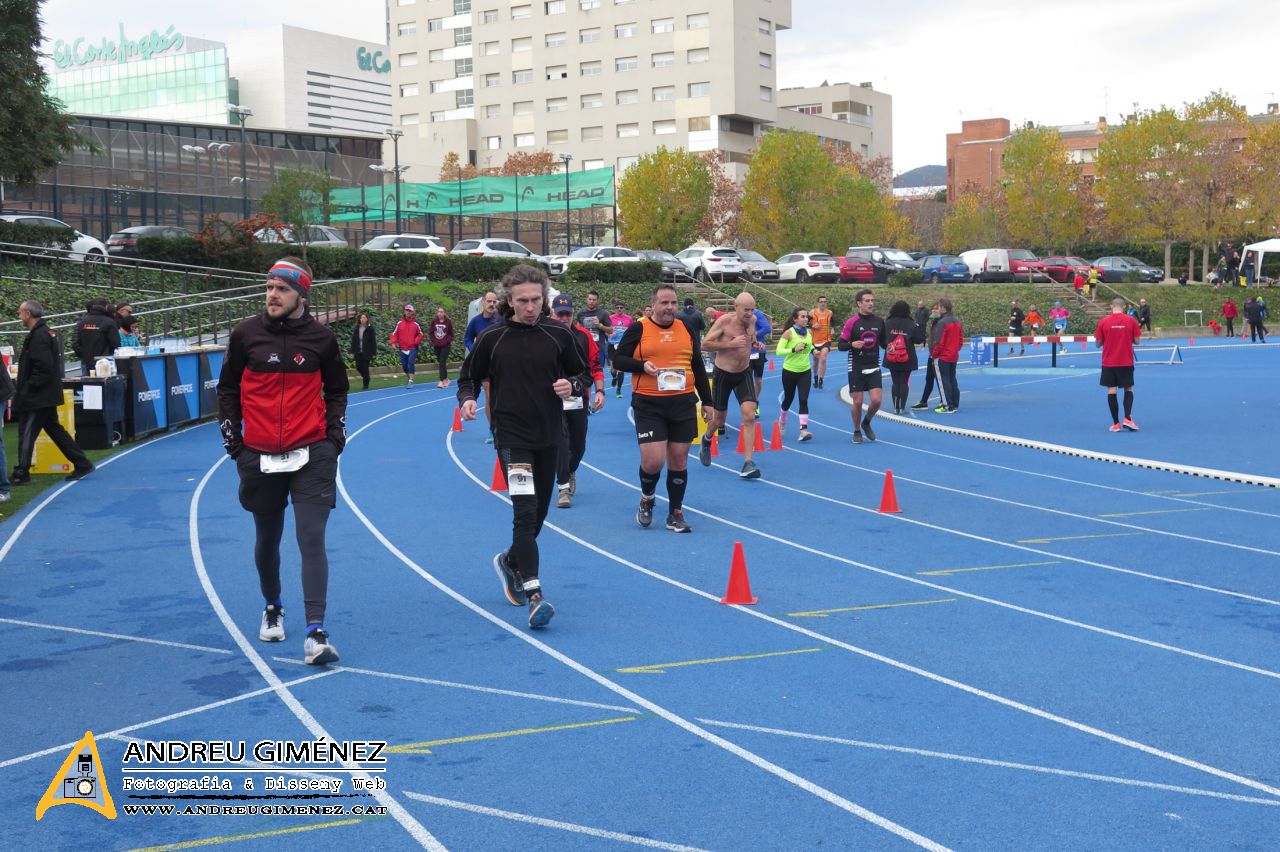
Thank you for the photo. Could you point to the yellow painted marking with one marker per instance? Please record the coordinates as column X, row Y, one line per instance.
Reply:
column 823, row 613
column 657, row 668
column 233, row 838
column 1152, row 512
column 1071, row 538
column 946, row 571
column 425, row 747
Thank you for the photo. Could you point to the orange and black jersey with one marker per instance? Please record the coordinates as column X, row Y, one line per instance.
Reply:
column 674, row 346
column 283, row 385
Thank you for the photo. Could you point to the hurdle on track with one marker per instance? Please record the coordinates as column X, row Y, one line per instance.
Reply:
column 1055, row 340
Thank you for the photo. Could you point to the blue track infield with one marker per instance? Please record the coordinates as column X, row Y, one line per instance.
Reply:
column 1040, row 651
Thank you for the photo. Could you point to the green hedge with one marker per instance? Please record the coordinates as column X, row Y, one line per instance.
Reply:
column 32, row 235
column 610, row 272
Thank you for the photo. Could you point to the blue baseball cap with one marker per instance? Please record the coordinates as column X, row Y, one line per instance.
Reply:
column 561, row 304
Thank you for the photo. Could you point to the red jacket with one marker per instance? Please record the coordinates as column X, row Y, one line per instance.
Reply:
column 593, row 355
column 408, row 335
column 1229, row 309
column 948, row 336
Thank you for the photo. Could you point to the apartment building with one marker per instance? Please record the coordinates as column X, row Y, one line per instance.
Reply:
column 603, row 81
column 975, row 155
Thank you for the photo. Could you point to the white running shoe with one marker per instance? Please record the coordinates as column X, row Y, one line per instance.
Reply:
column 272, row 629
column 316, row 650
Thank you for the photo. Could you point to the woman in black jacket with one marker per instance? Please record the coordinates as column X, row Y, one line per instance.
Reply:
column 364, row 346
column 899, row 324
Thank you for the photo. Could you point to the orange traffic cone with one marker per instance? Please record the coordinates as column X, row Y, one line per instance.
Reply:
column 1191, row 342
column 741, row 448
column 499, row 477
column 1084, row 344
column 457, row 420
column 758, row 445
column 775, row 441
column 889, row 499
column 770, row 365
column 1242, row 337
column 739, row 589
column 715, row 445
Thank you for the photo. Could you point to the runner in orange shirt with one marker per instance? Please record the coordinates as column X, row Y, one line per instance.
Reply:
column 820, row 328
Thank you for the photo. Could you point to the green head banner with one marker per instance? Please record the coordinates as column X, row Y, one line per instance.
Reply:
column 480, row 196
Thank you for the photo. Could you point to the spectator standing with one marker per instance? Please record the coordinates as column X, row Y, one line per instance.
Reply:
column 1229, row 313
column 407, row 337
column 96, row 334
column 128, row 332
column 364, row 346
column 899, row 324
column 1115, row 335
column 922, row 314
column 930, row 370
column 1144, row 315
column 7, row 391
column 1254, row 314
column 442, row 341
column 1078, row 282
column 39, row 393
column 945, row 341
column 1093, row 282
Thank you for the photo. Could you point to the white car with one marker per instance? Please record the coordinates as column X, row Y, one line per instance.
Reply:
column 712, row 262
column 406, row 242
column 558, row 263
column 496, row 248
column 807, row 266
column 318, row 236
column 83, row 246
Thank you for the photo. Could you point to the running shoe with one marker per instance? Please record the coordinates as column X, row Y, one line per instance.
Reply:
column 805, row 435
column 677, row 523
column 316, row 650
column 573, row 484
column 920, row 406
column 644, row 516
column 866, row 427
column 1129, row 424
column 942, row 409
column 540, row 611
column 750, row 471
column 565, row 500
column 704, row 452
column 79, row 473
column 619, row 394
column 511, row 586
column 488, row 439
column 857, row 437
column 1115, row 427
column 272, row 629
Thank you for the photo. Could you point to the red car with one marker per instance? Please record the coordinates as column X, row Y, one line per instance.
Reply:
column 855, row 269
column 1023, row 262
column 1063, row 269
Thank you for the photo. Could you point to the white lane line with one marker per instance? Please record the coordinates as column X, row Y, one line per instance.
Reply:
column 1170, row 495
column 533, row 696
column 159, row 720
column 84, row 632
column 752, row 758
column 1002, row 764
column 1038, row 381
column 553, row 823
column 394, row 808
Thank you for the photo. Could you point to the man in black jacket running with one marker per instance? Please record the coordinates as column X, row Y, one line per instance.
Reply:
column 39, row 395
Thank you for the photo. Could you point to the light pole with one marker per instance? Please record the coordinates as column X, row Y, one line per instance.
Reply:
column 242, row 113
column 567, row 158
column 382, row 195
column 395, row 133
column 198, row 151
column 215, row 150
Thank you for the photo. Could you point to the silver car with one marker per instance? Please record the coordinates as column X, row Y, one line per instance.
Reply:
column 492, row 247
column 558, row 263
column 757, row 267
column 318, row 236
column 406, row 242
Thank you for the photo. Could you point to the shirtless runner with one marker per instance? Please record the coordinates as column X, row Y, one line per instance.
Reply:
column 731, row 338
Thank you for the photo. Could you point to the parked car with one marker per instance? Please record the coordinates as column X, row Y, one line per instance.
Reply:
column 711, row 262
column 1064, row 269
column 757, row 267
column 988, row 265
column 938, row 268
column 491, row 247
column 124, row 243
column 918, row 255
column 83, row 246
column 672, row 268
column 424, row 243
column 318, row 236
column 856, row 270
column 1023, row 262
column 808, row 266
column 885, row 261
column 1117, row 268
column 559, row 263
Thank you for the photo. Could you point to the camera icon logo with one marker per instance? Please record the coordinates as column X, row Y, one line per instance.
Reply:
column 79, row 781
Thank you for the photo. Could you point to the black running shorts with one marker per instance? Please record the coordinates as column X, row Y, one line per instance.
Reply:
column 865, row 381
column 1116, row 377
column 757, row 365
column 270, row 492
column 742, row 384
column 665, row 418
column 819, row 347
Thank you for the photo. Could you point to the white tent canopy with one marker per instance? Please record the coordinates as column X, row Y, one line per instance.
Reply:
column 1259, row 249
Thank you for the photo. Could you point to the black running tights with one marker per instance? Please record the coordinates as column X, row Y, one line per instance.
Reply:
column 529, row 511
column 792, row 382
column 573, row 444
column 899, row 390
column 309, row 520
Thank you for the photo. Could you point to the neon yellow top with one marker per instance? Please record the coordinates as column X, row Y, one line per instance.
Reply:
column 796, row 348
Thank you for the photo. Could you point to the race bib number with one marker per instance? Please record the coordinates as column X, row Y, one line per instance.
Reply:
column 671, row 380
column 755, row 356
column 869, row 370
column 573, row 403
column 285, row 462
column 520, row 480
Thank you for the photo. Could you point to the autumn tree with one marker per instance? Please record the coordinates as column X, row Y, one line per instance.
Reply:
column 1211, row 172
column 975, row 220
column 300, row 198
column 1262, row 178
column 449, row 168
column 925, row 216
column 522, row 164
column 795, row 198
column 724, row 208
column 874, row 216
column 663, row 199
column 1041, row 190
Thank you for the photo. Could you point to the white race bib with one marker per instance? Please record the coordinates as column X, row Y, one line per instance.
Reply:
column 755, row 356
column 520, row 480
column 573, row 403
column 671, row 380
column 406, row 351
column 284, row 462
column 869, row 370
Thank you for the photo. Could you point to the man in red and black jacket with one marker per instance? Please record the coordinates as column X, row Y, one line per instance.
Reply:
column 945, row 341
column 282, row 405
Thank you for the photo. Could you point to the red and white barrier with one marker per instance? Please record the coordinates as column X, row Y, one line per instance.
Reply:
column 1049, row 338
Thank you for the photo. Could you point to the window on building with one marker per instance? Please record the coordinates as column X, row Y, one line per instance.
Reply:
column 519, row 45
column 698, row 54
column 461, row 7
column 662, row 25
column 626, row 131
column 626, row 63
column 592, row 134
column 436, row 55
column 521, row 76
column 408, row 60
column 589, row 36
column 766, row 60
column 438, row 115
column 521, row 13
column 462, row 67
column 737, row 125
column 699, row 122
column 664, row 127
column 663, row 60
column 699, row 21
column 411, row 28
column 866, row 150
column 764, row 26
column 809, row 109
column 557, row 104
column 461, row 36
column 409, row 90
column 592, row 101
column 437, row 86
column 435, row 25
column 555, row 40
column 588, row 5
column 492, row 143
column 624, row 30
column 627, row 96
column 554, row 7
column 557, row 72
column 408, row 118
column 492, row 81
column 489, row 48
column 592, row 164
column 557, row 137
column 766, row 94
column 625, row 163
column 493, row 111
column 522, row 108
column 490, row 16
column 589, row 69
column 699, row 90
column 664, row 93
column 524, row 140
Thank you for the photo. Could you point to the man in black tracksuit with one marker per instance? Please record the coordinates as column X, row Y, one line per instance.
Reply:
column 39, row 395
column 527, row 361
column 96, row 334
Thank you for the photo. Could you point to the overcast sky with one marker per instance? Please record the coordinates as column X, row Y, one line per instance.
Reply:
column 942, row 62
